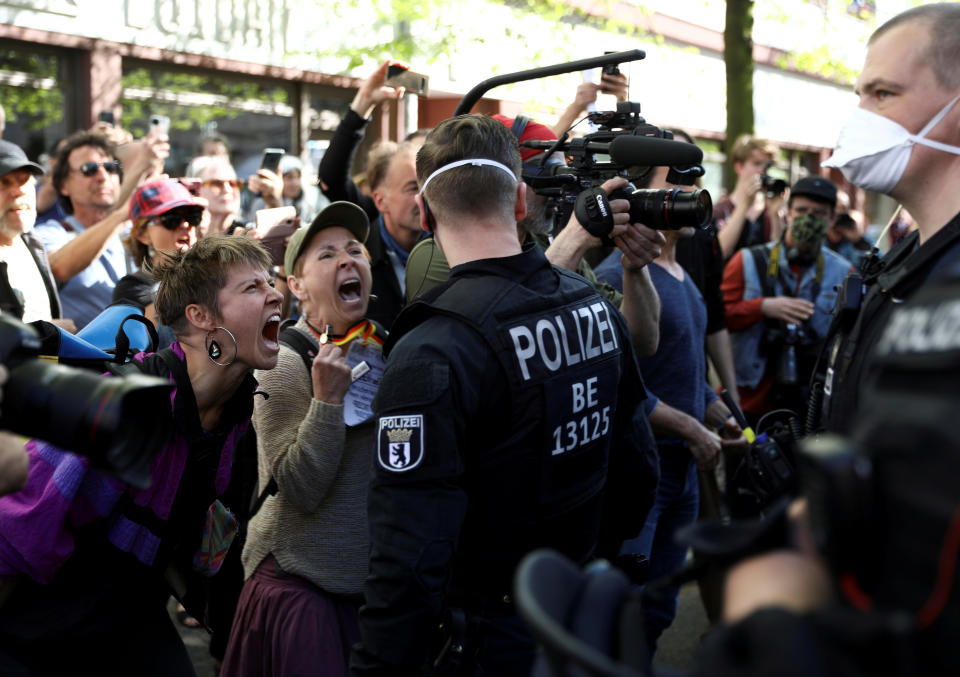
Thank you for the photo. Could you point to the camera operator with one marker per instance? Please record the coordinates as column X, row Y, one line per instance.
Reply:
column 750, row 214
column 779, row 297
column 482, row 452
column 683, row 412
column 904, row 141
column 637, row 244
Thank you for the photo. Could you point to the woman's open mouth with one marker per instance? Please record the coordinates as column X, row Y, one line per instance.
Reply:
column 351, row 291
column 271, row 333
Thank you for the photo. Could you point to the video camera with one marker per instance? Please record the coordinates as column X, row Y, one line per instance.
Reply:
column 624, row 145
column 113, row 422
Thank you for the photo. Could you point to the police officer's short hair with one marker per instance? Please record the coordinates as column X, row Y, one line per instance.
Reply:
column 943, row 20
column 476, row 190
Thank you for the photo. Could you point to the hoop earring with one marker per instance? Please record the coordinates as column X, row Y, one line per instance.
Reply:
column 215, row 351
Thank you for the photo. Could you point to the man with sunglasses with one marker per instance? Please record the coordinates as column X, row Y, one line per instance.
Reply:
column 86, row 254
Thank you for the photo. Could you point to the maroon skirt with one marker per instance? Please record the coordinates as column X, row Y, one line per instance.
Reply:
column 287, row 626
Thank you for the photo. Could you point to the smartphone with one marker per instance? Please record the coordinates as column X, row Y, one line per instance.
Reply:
column 271, row 159
column 399, row 75
column 107, row 116
column 275, row 226
column 160, row 123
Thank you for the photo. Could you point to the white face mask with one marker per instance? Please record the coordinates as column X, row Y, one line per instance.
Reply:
column 873, row 151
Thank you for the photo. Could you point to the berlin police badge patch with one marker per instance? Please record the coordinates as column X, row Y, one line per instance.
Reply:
column 400, row 442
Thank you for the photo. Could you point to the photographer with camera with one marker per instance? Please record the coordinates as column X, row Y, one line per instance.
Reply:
column 88, row 560
column 750, row 215
column 779, row 298
column 499, row 428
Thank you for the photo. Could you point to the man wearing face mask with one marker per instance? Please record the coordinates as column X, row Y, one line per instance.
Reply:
column 778, row 298
column 904, row 141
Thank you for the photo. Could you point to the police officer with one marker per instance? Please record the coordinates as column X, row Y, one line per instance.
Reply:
column 903, row 140
column 507, row 420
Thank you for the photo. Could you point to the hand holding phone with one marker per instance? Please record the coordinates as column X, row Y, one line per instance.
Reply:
column 275, row 226
column 159, row 124
column 271, row 159
column 400, row 75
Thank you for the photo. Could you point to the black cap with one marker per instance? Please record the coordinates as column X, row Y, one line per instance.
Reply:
column 13, row 158
column 816, row 187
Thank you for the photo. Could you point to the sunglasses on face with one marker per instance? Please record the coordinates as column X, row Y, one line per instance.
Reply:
column 173, row 220
column 91, row 168
column 221, row 184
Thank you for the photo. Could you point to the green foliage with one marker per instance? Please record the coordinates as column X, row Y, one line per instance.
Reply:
column 164, row 86
column 30, row 104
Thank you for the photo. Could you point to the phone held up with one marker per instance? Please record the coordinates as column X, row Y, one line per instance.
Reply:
column 271, row 159
column 106, row 116
column 160, row 123
column 400, row 75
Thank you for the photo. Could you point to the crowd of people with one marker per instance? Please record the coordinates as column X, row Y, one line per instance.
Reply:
column 375, row 415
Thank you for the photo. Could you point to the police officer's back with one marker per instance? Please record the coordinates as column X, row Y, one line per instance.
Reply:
column 510, row 394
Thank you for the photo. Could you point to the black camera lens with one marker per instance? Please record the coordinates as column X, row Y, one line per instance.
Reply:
column 671, row 209
column 118, row 423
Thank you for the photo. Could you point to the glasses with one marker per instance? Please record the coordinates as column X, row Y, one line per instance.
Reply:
column 220, row 184
column 173, row 220
column 91, row 168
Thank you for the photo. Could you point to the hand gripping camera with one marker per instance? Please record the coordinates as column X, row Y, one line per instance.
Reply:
column 624, row 145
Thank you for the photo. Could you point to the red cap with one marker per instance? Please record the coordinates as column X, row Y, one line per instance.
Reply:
column 158, row 197
column 533, row 131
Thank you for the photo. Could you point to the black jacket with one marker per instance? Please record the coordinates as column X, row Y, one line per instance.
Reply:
column 489, row 447
column 10, row 301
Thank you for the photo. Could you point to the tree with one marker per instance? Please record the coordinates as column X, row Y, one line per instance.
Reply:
column 738, row 60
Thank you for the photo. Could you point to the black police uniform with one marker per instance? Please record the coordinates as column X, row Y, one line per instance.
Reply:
column 510, row 395
column 892, row 280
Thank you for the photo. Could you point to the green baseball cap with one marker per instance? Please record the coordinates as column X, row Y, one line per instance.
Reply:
column 336, row 214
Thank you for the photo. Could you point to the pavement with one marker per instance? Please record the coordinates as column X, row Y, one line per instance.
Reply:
column 676, row 650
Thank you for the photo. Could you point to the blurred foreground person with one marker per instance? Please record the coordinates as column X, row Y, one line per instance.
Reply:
column 307, row 551
column 88, row 561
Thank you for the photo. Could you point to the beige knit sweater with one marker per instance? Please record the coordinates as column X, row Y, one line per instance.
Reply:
column 316, row 524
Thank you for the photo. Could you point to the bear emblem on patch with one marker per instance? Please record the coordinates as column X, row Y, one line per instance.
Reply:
column 400, row 442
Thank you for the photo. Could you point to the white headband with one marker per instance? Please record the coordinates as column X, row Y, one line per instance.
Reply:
column 476, row 162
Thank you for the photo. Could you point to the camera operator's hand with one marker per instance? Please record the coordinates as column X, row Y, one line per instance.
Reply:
column 269, row 185
column 744, row 193
column 787, row 308
column 374, row 91
column 571, row 243
column 640, row 245
column 330, row 374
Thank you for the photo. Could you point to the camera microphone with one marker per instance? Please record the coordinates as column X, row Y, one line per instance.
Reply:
column 650, row 151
